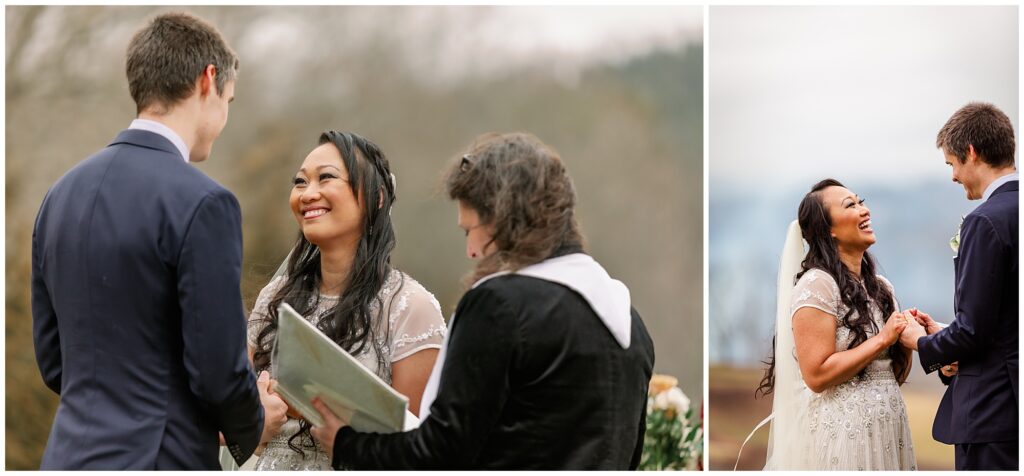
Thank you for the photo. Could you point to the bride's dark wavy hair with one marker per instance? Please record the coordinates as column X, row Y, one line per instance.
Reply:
column 350, row 323
column 519, row 185
column 823, row 253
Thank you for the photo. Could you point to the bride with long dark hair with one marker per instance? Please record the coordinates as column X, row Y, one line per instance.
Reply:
column 837, row 364
column 339, row 276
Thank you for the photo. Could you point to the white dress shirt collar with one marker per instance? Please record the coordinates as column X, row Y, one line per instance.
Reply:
column 167, row 132
column 998, row 183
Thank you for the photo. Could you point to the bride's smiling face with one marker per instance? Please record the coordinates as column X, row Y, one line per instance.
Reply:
column 851, row 219
column 322, row 200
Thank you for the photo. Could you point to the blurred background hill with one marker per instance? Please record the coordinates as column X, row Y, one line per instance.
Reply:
column 617, row 91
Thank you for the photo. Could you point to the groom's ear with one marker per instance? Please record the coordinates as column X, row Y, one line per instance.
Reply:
column 207, row 81
column 971, row 155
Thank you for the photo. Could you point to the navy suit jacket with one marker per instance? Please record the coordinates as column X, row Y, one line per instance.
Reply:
column 137, row 314
column 981, row 403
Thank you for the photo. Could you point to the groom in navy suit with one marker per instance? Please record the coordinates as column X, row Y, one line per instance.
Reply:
column 979, row 411
column 136, row 259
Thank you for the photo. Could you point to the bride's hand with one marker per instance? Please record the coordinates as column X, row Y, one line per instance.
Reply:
column 893, row 328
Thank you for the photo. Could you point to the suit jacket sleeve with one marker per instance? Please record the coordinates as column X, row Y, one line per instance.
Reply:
column 45, row 334
column 213, row 322
column 473, row 389
column 981, row 273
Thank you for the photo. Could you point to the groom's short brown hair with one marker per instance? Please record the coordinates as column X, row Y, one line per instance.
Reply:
column 983, row 126
column 167, row 56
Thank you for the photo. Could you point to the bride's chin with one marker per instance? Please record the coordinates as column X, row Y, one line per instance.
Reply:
column 314, row 238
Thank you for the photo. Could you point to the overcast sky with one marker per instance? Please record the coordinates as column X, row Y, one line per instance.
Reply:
column 800, row 93
column 591, row 30
column 566, row 38
column 454, row 42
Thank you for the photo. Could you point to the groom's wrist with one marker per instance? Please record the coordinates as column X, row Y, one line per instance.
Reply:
column 919, row 341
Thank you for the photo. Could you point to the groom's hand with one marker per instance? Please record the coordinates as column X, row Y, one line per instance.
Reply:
column 292, row 411
column 912, row 332
column 930, row 326
column 951, row 369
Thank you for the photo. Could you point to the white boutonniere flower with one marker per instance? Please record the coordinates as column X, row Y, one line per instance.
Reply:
column 954, row 242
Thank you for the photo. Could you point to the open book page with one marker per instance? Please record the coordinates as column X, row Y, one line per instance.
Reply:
column 308, row 364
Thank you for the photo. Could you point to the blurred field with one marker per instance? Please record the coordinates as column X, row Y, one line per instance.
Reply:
column 733, row 412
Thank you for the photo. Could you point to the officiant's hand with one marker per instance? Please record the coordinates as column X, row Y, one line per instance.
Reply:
column 912, row 332
column 274, row 408
column 332, row 423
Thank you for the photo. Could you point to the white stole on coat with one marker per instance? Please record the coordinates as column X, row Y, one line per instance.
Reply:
column 609, row 298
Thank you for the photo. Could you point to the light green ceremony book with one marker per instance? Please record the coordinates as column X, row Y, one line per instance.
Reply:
column 308, row 364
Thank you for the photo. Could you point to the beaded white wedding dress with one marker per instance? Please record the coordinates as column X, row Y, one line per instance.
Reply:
column 413, row 323
column 860, row 424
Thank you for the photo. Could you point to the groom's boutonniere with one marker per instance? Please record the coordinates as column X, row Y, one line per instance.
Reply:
column 955, row 241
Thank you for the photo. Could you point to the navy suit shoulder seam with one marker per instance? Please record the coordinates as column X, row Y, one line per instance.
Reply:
column 92, row 211
column 192, row 218
column 993, row 230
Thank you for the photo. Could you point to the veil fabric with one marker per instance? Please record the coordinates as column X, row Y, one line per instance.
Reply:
column 789, row 442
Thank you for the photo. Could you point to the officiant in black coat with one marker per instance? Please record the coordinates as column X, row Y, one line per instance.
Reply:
column 546, row 364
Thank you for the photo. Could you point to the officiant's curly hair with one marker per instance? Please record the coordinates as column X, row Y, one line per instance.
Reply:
column 519, row 185
column 823, row 253
column 349, row 323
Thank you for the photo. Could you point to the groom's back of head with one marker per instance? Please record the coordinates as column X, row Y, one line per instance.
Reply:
column 983, row 126
column 167, row 55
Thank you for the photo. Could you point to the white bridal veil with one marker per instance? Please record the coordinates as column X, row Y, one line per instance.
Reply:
column 789, row 445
